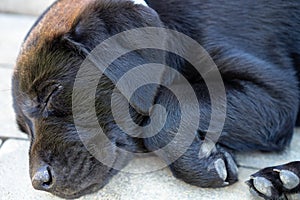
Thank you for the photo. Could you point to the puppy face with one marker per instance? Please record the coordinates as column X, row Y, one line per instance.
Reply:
column 42, row 91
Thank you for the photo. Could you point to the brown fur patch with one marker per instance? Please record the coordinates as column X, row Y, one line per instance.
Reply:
column 58, row 20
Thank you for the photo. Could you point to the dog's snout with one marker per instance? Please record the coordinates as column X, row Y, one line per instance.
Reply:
column 43, row 178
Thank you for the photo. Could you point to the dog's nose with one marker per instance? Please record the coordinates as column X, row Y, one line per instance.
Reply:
column 43, row 178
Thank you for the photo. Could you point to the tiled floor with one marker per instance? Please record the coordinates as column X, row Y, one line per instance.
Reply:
column 14, row 178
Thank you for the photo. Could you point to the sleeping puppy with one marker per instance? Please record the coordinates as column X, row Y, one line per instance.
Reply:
column 256, row 47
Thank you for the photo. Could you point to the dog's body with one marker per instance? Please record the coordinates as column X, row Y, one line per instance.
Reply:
column 256, row 47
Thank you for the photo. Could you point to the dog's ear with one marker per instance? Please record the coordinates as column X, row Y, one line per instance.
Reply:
column 101, row 23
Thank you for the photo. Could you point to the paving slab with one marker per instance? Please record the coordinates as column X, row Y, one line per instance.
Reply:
column 24, row 6
column 124, row 186
column 8, row 126
column 13, row 30
column 261, row 160
column 162, row 185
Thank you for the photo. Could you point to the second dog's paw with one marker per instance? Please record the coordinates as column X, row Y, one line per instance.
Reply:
column 276, row 182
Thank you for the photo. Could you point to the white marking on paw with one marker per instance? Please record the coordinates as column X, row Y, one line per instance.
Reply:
column 140, row 2
column 263, row 185
column 207, row 148
column 221, row 169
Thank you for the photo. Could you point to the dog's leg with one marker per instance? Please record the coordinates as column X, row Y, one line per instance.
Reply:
column 201, row 164
column 276, row 182
column 261, row 109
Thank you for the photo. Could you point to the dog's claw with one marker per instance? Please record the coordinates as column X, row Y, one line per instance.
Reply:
column 263, row 185
column 231, row 163
column 254, row 193
column 221, row 169
column 225, row 183
column 289, row 179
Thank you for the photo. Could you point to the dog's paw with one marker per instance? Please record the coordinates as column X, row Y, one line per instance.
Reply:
column 276, row 182
column 226, row 169
column 209, row 169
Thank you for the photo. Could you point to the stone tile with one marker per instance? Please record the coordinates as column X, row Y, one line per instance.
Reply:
column 155, row 185
column 8, row 126
column 162, row 185
column 5, row 81
column 13, row 30
column 262, row 160
column 25, row 6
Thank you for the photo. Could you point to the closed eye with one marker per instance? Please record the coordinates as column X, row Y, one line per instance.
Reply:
column 47, row 106
column 42, row 105
column 54, row 91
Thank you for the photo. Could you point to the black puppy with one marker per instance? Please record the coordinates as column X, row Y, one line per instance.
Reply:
column 255, row 45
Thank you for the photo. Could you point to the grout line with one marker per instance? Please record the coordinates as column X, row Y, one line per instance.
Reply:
column 4, row 139
column 248, row 167
column 19, row 14
column 12, row 138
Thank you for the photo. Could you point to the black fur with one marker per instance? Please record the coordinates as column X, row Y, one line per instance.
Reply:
column 278, row 188
column 256, row 46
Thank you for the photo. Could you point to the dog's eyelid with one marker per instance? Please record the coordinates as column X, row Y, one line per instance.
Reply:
column 57, row 88
column 49, row 92
column 46, row 85
column 46, row 102
column 40, row 85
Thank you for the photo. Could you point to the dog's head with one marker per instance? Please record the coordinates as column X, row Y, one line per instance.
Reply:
column 43, row 83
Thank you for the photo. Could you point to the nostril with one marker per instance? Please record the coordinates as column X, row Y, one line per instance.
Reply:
column 48, row 180
column 43, row 178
